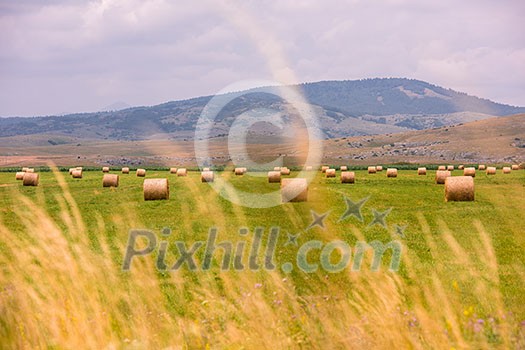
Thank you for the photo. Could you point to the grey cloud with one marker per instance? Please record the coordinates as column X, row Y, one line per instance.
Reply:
column 82, row 55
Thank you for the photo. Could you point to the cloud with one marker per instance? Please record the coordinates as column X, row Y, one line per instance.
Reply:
column 83, row 55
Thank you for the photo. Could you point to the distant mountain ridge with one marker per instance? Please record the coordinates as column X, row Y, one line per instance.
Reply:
column 344, row 108
column 399, row 96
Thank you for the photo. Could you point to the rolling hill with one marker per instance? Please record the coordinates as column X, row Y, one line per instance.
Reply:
column 344, row 109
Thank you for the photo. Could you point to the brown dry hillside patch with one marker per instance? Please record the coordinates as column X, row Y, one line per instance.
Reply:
column 491, row 140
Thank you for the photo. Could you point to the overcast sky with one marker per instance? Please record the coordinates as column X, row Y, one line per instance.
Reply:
column 75, row 56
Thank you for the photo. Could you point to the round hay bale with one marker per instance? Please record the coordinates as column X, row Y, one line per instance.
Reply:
column 515, row 167
column 71, row 171
column 324, row 168
column 294, row 190
column 481, row 167
column 239, row 171
column 24, row 169
column 422, row 171
column 379, row 168
column 30, row 179
column 182, row 172
column 105, row 169
column 459, row 188
column 506, row 170
column 19, row 175
column 207, row 176
column 308, row 168
column 461, row 167
column 206, row 169
column 471, row 171
column 30, row 170
column 76, row 174
column 79, row 168
column 285, row 171
column 391, row 172
column 125, row 170
column 372, row 169
column 347, row 177
column 442, row 167
column 441, row 175
column 344, row 168
column 274, row 176
column 110, row 180
column 156, row 189
column 330, row 173
column 491, row 170
column 276, row 168
column 141, row 172
column 173, row 170
column 450, row 167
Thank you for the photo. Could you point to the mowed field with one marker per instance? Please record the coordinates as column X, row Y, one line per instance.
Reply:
column 460, row 284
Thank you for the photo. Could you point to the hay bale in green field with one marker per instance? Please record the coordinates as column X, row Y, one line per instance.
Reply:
column 156, row 189
column 441, row 175
column 110, row 180
column 459, row 188
column 207, row 176
column 30, row 179
column 274, row 176
column 347, row 177
column 294, row 190
column 470, row 171
column 391, row 172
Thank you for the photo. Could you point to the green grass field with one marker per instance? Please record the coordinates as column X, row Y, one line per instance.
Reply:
column 460, row 285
